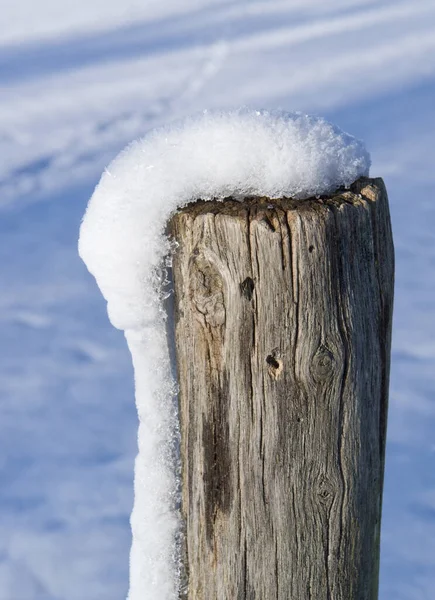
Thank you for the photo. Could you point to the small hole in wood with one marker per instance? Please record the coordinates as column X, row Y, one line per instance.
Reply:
column 247, row 288
column 272, row 362
column 310, row 249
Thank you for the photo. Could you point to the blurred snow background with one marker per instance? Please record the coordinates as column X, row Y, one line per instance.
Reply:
column 78, row 81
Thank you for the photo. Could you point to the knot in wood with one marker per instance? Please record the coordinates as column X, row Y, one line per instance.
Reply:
column 325, row 491
column 206, row 287
column 323, row 364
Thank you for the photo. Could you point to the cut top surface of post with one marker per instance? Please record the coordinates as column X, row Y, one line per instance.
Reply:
column 364, row 189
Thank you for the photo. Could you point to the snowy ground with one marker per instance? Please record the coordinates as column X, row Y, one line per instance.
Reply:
column 80, row 81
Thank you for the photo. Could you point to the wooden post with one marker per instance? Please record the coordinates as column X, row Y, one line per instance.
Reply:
column 283, row 325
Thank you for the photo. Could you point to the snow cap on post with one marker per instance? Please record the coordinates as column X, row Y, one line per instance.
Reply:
column 213, row 155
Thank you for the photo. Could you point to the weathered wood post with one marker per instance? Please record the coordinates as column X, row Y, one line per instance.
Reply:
column 283, row 326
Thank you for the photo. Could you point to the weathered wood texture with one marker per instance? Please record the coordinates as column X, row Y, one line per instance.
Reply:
column 283, row 325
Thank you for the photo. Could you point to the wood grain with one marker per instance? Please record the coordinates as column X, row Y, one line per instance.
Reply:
column 283, row 326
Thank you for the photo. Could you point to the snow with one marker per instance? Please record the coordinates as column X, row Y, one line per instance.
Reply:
column 77, row 85
column 213, row 155
column 123, row 243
